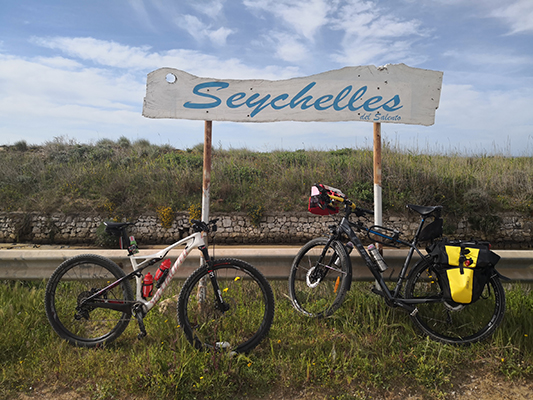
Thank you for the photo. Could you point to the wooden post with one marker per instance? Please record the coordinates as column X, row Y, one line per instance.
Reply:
column 378, row 216
column 206, row 186
column 207, row 170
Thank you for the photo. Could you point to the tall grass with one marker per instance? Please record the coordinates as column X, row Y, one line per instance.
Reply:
column 365, row 350
column 125, row 179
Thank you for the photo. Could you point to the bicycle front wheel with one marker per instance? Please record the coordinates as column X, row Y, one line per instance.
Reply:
column 450, row 322
column 320, row 276
column 75, row 280
column 241, row 321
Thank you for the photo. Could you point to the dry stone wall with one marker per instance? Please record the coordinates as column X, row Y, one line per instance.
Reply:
column 510, row 231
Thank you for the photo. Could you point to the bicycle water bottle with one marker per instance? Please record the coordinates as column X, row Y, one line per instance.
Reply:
column 148, row 285
column 377, row 257
column 162, row 272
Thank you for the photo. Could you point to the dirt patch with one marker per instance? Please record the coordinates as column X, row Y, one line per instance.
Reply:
column 478, row 388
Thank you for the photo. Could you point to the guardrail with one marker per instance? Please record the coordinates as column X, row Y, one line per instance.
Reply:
column 273, row 261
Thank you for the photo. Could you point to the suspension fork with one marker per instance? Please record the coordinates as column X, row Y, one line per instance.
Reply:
column 221, row 304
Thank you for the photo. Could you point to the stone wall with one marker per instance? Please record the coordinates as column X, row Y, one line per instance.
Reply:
column 509, row 231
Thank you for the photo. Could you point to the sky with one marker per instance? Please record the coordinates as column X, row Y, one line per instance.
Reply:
column 77, row 70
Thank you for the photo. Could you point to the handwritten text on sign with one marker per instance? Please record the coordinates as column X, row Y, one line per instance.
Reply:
column 394, row 94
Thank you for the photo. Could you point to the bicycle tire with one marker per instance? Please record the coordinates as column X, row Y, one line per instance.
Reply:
column 250, row 302
column 74, row 280
column 454, row 323
column 320, row 295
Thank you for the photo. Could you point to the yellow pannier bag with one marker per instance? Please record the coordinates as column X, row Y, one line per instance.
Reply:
column 461, row 280
column 464, row 268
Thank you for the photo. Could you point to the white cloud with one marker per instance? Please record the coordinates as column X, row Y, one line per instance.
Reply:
column 219, row 36
column 288, row 47
column 372, row 35
column 304, row 17
column 211, row 8
column 518, row 15
column 112, row 54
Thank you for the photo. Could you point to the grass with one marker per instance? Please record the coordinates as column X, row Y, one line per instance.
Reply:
column 365, row 349
column 123, row 179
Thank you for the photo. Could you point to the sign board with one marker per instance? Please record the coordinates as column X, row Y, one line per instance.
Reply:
column 390, row 94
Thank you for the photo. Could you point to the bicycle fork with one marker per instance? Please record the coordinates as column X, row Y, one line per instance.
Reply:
column 220, row 304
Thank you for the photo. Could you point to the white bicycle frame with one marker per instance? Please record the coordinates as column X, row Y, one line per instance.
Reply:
column 192, row 241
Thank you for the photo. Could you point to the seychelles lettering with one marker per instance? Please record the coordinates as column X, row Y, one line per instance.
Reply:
column 256, row 102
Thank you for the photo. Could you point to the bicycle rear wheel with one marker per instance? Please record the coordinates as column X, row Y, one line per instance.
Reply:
column 319, row 278
column 449, row 322
column 245, row 317
column 73, row 281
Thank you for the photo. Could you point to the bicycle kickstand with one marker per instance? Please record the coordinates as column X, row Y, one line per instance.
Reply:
column 139, row 315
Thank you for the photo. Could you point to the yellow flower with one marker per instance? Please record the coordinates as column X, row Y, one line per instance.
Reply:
column 225, row 290
column 237, row 278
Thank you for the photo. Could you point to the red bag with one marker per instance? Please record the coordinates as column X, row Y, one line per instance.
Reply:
column 320, row 203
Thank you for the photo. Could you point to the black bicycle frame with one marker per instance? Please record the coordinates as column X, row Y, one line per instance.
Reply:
column 345, row 227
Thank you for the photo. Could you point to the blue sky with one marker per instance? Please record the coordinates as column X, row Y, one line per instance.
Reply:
column 77, row 70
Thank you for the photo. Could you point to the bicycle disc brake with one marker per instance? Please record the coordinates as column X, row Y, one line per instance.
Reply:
column 314, row 276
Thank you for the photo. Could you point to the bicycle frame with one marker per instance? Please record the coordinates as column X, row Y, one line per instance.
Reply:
column 194, row 240
column 393, row 297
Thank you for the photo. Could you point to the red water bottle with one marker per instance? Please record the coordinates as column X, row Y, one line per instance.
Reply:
column 162, row 272
column 148, row 285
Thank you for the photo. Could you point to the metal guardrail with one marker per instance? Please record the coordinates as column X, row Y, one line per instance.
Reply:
column 273, row 261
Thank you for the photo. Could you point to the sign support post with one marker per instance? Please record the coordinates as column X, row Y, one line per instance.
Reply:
column 378, row 212
column 206, row 182
column 378, row 209
column 206, row 186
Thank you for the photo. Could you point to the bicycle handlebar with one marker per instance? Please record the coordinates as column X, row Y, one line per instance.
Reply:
column 201, row 226
column 359, row 211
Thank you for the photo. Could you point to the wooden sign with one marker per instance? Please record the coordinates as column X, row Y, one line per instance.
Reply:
column 390, row 94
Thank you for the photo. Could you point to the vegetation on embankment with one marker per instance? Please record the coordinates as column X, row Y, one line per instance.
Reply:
column 124, row 179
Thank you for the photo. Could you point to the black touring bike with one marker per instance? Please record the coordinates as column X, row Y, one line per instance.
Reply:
column 321, row 273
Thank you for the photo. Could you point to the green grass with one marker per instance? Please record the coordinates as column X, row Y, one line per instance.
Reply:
column 365, row 349
column 123, row 179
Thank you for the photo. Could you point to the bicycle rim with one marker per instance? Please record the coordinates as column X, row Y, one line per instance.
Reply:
column 75, row 280
column 248, row 300
column 319, row 278
column 451, row 322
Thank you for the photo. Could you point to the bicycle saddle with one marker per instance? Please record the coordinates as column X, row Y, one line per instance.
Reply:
column 424, row 210
column 117, row 225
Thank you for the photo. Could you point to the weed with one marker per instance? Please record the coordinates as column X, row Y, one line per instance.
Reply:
column 255, row 213
column 195, row 212
column 166, row 216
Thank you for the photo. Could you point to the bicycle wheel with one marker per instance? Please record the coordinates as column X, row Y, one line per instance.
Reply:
column 450, row 322
column 73, row 281
column 319, row 278
column 245, row 317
